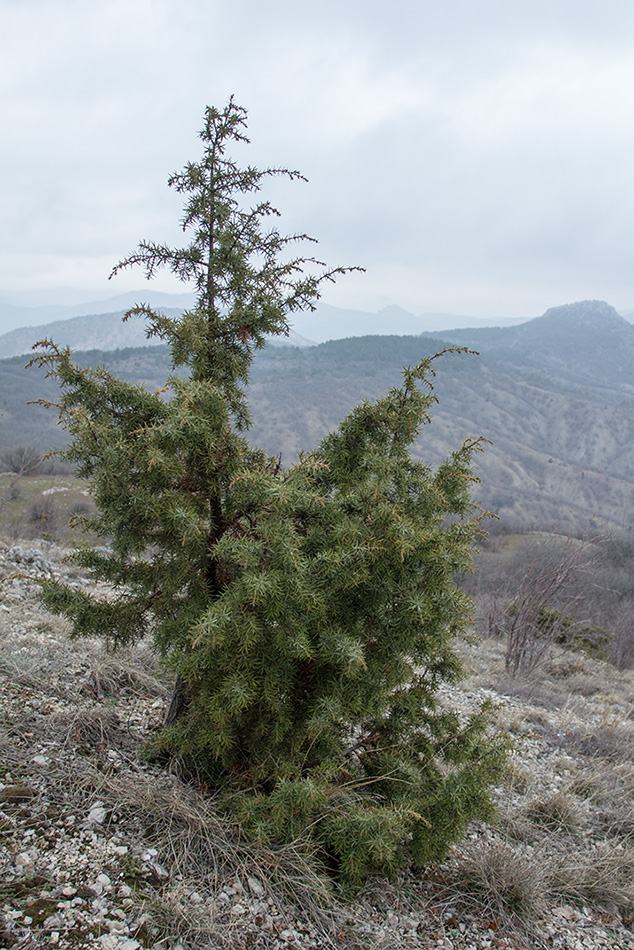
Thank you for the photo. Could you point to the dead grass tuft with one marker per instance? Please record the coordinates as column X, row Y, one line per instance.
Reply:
column 86, row 731
column 497, row 879
column 206, row 851
column 613, row 741
column 557, row 812
column 131, row 673
column 602, row 876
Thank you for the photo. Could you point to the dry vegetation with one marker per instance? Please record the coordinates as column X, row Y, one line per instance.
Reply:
column 42, row 505
column 555, row 870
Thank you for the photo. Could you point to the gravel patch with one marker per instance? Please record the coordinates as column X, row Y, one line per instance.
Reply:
column 101, row 850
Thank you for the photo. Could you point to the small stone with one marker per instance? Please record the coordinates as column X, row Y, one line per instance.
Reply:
column 54, row 937
column 120, row 850
column 255, row 887
column 24, row 861
column 130, row 944
column 97, row 815
column 41, row 760
column 69, row 891
column 158, row 872
column 238, row 909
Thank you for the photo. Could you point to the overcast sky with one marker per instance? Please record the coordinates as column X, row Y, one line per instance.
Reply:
column 475, row 156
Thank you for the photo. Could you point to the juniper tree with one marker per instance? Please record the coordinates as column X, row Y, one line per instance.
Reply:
column 308, row 614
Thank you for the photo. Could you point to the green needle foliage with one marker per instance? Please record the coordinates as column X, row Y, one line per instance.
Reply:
column 308, row 615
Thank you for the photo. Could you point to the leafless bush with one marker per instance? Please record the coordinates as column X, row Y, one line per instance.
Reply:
column 540, row 613
column 43, row 516
column 621, row 643
column 21, row 460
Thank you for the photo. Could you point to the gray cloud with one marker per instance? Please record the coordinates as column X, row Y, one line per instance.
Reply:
column 474, row 157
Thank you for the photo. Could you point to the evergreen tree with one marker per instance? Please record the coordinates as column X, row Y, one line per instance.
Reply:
column 307, row 614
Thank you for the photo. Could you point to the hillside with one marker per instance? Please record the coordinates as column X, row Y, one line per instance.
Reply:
column 585, row 342
column 98, row 331
column 104, row 851
column 555, row 396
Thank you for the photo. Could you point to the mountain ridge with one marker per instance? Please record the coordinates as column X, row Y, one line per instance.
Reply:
column 98, row 324
column 560, row 417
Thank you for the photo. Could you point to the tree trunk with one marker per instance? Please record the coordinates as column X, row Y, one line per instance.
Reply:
column 179, row 702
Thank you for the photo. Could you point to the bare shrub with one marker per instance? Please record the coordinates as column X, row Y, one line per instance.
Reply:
column 44, row 516
column 540, row 613
column 621, row 643
column 21, row 460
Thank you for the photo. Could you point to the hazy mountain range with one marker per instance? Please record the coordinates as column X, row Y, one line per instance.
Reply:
column 98, row 324
column 555, row 395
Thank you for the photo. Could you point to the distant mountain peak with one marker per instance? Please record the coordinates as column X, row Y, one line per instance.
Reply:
column 596, row 313
column 393, row 310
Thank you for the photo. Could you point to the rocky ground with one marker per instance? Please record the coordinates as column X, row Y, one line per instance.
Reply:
column 101, row 850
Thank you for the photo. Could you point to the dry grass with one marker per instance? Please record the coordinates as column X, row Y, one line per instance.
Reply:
column 497, row 879
column 556, row 812
column 601, row 876
column 565, row 830
column 124, row 673
column 204, row 853
column 612, row 741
